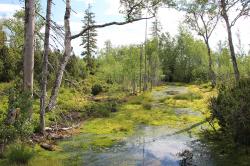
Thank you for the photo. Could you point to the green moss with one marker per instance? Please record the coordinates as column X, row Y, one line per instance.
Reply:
column 188, row 96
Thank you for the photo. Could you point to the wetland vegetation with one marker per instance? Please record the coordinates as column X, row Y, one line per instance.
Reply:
column 170, row 100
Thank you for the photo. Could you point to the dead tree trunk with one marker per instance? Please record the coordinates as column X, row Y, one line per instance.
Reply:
column 45, row 68
column 140, row 83
column 230, row 40
column 28, row 57
column 145, row 86
column 28, row 60
column 64, row 60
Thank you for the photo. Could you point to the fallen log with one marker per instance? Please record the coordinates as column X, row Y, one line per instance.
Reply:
column 47, row 147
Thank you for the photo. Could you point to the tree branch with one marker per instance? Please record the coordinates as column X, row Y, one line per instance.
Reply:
column 108, row 24
column 243, row 12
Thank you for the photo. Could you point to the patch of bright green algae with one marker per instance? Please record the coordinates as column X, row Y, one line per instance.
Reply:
column 197, row 98
column 106, row 132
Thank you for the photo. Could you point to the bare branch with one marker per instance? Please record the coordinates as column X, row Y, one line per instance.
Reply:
column 243, row 12
column 108, row 24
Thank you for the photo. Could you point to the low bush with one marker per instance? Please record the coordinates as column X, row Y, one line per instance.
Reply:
column 101, row 109
column 147, row 106
column 232, row 110
column 96, row 89
column 16, row 124
column 19, row 154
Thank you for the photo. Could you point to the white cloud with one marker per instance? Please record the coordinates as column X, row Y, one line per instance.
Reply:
column 7, row 10
column 113, row 7
column 170, row 20
column 87, row 1
column 79, row 15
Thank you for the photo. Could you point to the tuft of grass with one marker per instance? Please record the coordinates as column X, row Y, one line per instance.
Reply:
column 19, row 154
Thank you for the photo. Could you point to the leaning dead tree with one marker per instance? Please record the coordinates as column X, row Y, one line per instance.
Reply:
column 132, row 9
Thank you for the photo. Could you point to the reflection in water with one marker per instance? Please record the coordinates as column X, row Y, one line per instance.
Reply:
column 150, row 146
column 145, row 150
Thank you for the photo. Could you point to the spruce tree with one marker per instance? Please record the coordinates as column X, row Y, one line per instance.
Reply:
column 156, row 28
column 89, row 40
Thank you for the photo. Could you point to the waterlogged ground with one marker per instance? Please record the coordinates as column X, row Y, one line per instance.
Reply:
column 150, row 129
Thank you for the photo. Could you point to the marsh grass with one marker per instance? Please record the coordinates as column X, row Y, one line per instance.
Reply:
column 19, row 154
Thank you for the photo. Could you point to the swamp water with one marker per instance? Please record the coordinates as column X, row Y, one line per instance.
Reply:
column 149, row 145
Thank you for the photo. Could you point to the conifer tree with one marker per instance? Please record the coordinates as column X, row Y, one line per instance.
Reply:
column 156, row 28
column 89, row 40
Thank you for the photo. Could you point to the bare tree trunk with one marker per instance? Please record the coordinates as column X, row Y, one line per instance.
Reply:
column 28, row 61
column 150, row 72
column 28, row 57
column 145, row 87
column 45, row 68
column 64, row 60
column 233, row 56
column 140, row 83
column 230, row 41
column 210, row 62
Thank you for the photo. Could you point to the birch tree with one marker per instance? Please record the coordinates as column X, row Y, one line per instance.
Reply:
column 202, row 17
column 231, row 11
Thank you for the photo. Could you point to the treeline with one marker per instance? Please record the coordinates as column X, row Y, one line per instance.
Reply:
column 185, row 59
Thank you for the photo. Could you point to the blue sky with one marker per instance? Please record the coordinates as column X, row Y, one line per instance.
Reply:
column 108, row 10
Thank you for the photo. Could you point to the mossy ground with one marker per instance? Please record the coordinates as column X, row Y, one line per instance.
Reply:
column 98, row 133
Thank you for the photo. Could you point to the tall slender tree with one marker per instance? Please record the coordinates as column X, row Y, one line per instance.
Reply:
column 45, row 68
column 203, row 17
column 239, row 8
column 28, row 59
column 89, row 39
column 156, row 28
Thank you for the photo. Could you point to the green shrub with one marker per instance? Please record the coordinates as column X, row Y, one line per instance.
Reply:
column 232, row 109
column 16, row 125
column 147, row 106
column 96, row 89
column 19, row 153
column 101, row 109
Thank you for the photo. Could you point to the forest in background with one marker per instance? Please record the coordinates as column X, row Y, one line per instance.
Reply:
column 63, row 87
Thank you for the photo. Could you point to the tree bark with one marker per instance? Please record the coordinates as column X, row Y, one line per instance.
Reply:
column 64, row 60
column 45, row 68
column 140, row 83
column 233, row 56
column 28, row 60
column 28, row 56
column 210, row 64
column 145, row 86
column 230, row 41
